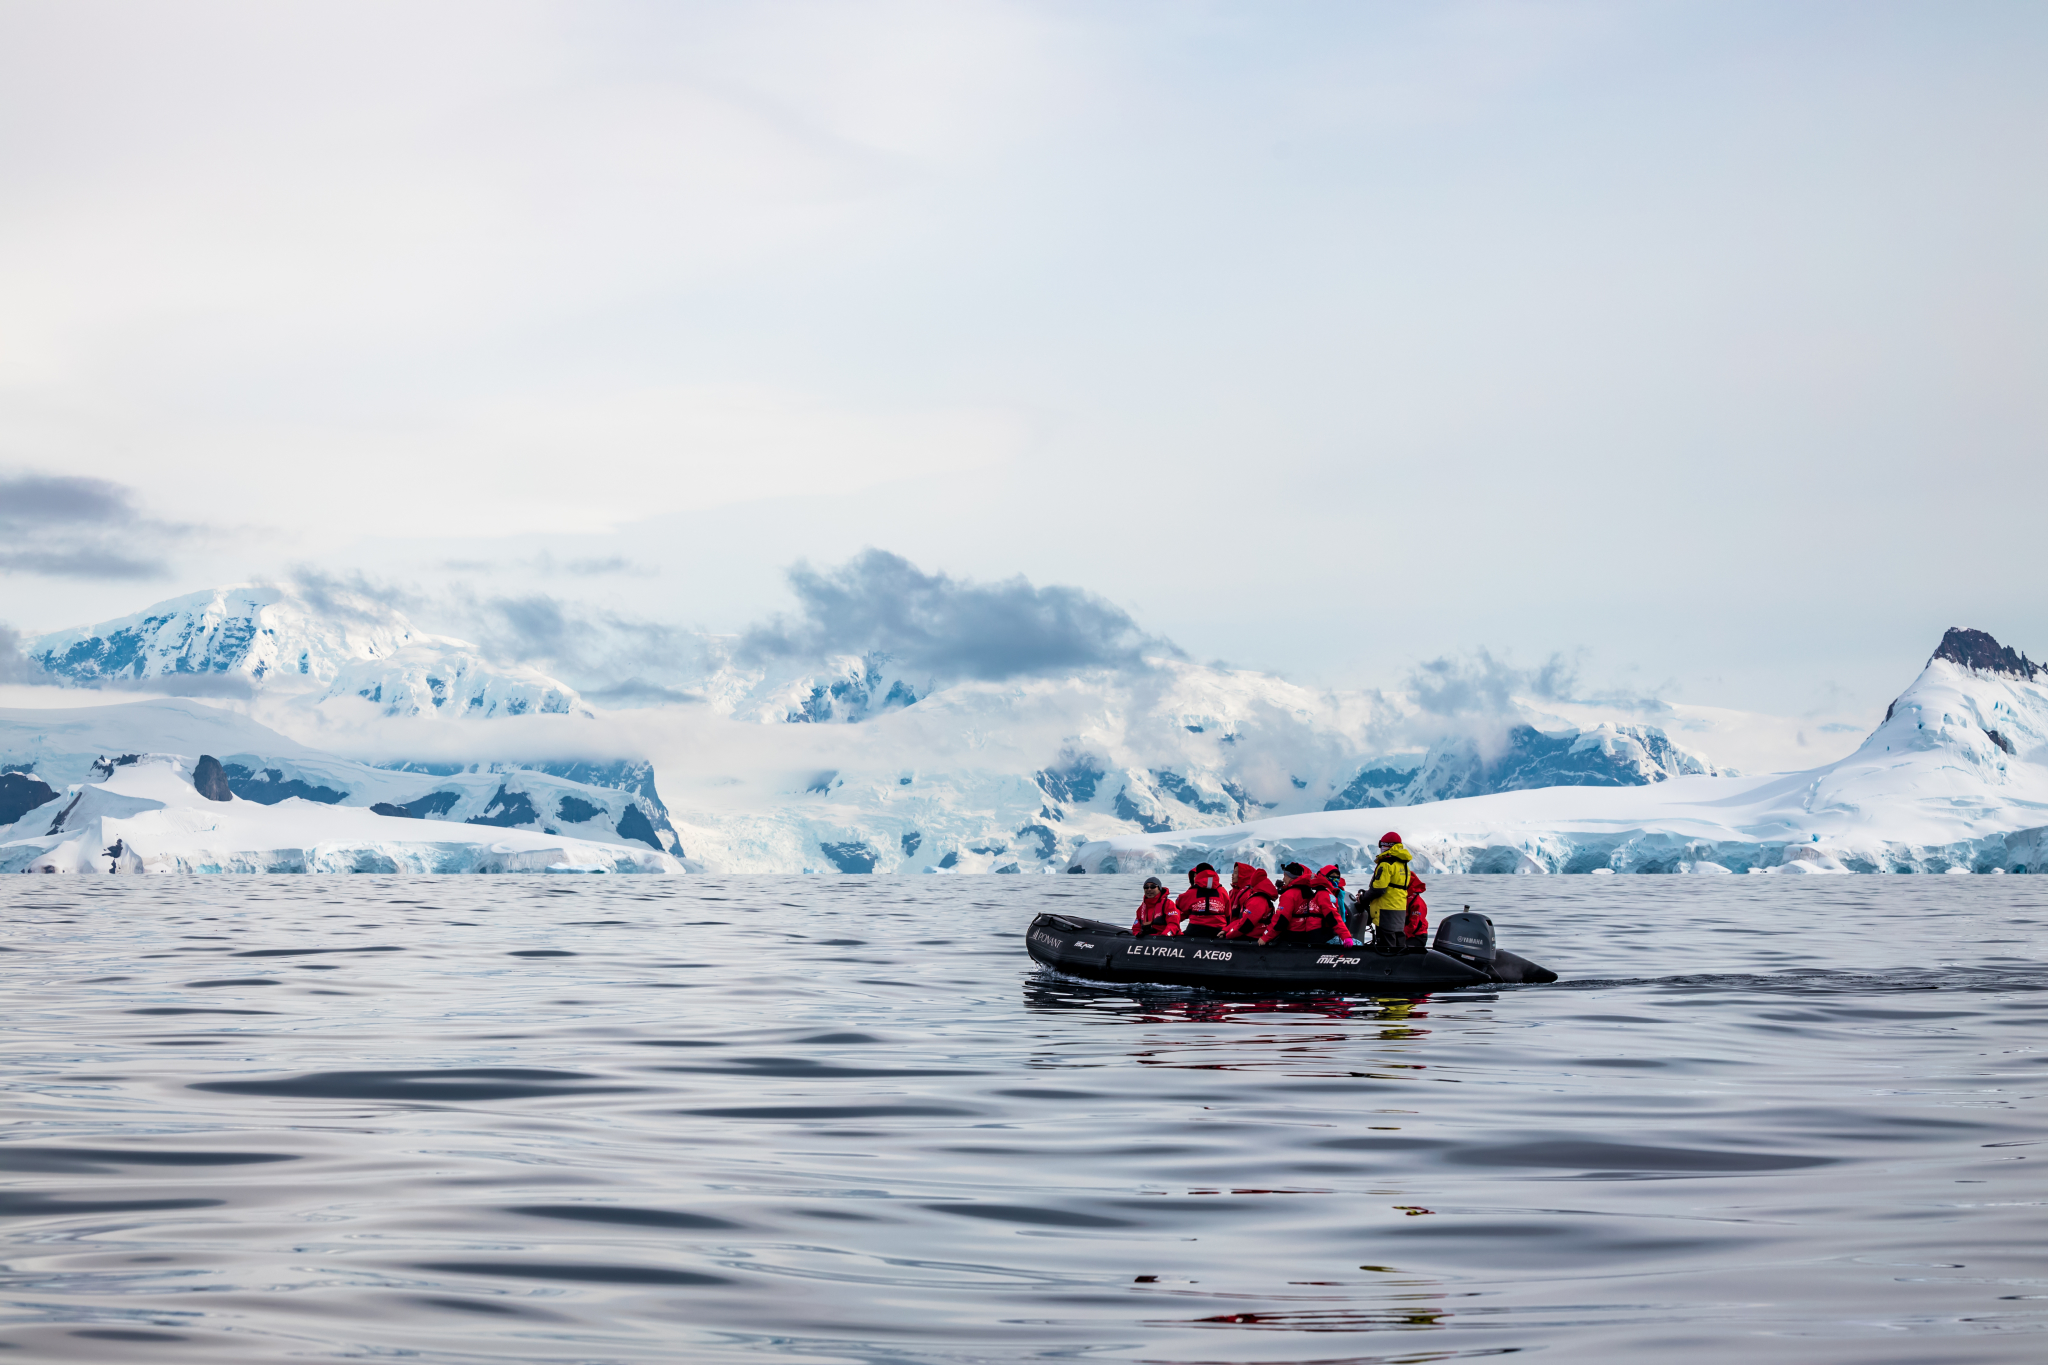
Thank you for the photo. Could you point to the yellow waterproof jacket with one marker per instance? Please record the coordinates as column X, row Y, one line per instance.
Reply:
column 1389, row 893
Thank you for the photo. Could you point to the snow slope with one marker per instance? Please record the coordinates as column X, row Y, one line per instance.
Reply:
column 1017, row 776
column 144, row 814
column 612, row 804
column 1954, row 779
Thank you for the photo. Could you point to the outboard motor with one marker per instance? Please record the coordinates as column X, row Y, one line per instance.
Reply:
column 1467, row 937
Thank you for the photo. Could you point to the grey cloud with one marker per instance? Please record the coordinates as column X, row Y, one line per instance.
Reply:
column 27, row 498
column 15, row 664
column 535, row 624
column 603, row 653
column 640, row 692
column 588, row 647
column 881, row 601
column 349, row 596
column 64, row 526
column 224, row 686
column 1481, row 685
column 591, row 567
column 615, row 564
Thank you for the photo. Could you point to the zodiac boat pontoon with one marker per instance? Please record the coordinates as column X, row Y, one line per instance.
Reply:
column 1463, row 954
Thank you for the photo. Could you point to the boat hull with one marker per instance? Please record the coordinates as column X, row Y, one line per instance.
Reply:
column 1107, row 952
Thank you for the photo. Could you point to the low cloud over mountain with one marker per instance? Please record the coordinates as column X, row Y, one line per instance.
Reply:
column 881, row 602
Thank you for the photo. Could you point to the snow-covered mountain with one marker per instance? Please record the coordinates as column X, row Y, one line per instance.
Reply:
column 1017, row 776
column 1954, row 779
column 344, row 647
column 852, row 763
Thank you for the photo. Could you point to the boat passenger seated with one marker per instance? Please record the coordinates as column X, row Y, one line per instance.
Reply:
column 1308, row 912
column 1158, row 916
column 1205, row 905
column 1252, row 900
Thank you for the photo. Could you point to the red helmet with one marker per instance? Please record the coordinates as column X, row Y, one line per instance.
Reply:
column 1389, row 838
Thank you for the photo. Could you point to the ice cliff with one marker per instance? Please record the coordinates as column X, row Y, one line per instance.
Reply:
column 147, row 813
column 61, row 766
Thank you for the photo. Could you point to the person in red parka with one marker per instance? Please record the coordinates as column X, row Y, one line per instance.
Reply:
column 1252, row 898
column 1418, row 912
column 1308, row 912
column 1205, row 905
column 1157, row 916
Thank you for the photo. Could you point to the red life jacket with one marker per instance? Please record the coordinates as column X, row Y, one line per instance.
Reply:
column 1251, row 900
column 1418, row 909
column 1205, row 902
column 1157, row 915
column 1309, row 906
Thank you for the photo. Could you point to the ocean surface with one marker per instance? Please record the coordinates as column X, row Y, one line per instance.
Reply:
column 806, row 1119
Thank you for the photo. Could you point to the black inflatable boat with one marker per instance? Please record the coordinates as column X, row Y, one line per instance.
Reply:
column 1463, row 954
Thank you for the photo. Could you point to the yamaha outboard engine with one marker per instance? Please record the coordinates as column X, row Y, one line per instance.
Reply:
column 1467, row 937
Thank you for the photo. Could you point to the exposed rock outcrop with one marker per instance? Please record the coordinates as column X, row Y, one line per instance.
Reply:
column 20, row 793
column 1975, row 649
column 210, row 780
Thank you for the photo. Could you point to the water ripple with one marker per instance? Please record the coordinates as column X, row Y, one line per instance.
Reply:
column 857, row 1124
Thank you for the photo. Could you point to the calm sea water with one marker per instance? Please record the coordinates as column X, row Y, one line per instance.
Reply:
column 494, row 1119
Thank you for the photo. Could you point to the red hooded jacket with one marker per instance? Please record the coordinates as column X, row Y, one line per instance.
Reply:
column 1308, row 905
column 1205, row 902
column 1157, row 915
column 1252, row 897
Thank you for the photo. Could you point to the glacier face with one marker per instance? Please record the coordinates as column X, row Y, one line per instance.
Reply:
column 603, row 803
column 143, row 813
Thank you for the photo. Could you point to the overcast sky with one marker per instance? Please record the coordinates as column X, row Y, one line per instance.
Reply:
column 1702, row 343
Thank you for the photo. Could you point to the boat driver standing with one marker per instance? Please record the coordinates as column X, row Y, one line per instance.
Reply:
column 1387, row 899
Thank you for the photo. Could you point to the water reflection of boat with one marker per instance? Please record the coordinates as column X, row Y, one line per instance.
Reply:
column 1463, row 954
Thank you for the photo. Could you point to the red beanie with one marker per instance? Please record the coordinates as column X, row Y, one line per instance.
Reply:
column 1389, row 838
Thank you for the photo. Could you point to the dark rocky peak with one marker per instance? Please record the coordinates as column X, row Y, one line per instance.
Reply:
column 1975, row 650
column 209, row 780
column 21, row 793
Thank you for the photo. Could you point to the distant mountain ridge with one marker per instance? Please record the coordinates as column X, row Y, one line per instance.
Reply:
column 1605, row 756
column 856, row 763
column 1954, row 779
column 275, row 637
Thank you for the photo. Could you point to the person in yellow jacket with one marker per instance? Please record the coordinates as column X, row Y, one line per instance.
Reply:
column 1386, row 900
